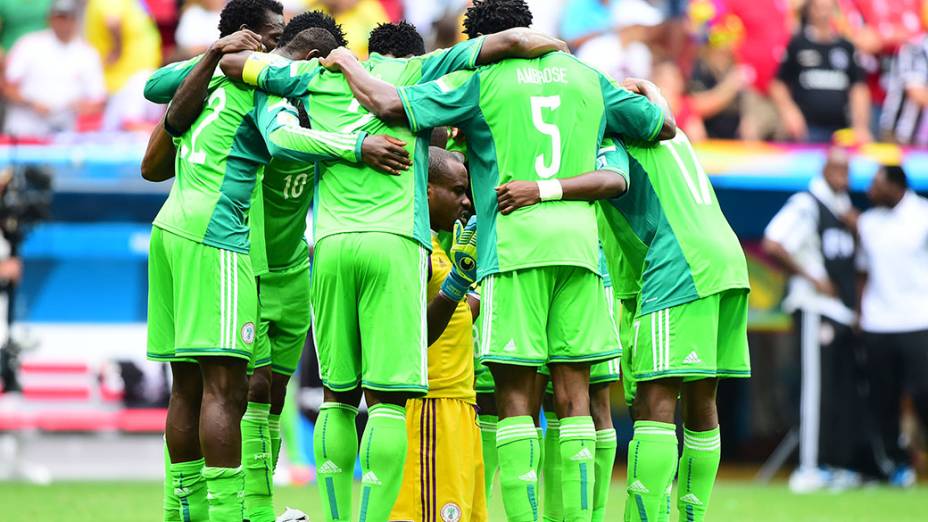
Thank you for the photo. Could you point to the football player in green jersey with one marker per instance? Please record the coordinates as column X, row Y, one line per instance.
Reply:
column 690, row 327
column 536, row 266
column 368, row 274
column 241, row 130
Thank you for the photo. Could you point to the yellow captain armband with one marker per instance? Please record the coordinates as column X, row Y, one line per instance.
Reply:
column 255, row 63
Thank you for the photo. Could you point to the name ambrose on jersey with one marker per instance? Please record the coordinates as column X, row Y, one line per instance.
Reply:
column 546, row 75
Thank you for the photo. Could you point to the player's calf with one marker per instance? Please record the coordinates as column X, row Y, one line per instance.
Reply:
column 383, row 453
column 185, row 489
column 335, row 446
column 702, row 451
column 257, row 449
column 225, row 391
column 577, row 438
column 606, row 443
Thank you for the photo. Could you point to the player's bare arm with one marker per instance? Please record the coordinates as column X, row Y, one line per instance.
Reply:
column 599, row 184
column 653, row 94
column 158, row 162
column 374, row 94
column 188, row 101
column 518, row 42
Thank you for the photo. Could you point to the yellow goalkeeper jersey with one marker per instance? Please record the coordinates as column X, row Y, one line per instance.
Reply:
column 451, row 357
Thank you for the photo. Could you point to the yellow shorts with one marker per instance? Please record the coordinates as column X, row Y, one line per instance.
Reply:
column 443, row 477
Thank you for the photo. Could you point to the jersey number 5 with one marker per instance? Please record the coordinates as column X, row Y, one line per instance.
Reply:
column 539, row 103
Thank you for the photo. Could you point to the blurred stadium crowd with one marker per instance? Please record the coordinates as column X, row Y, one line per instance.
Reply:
column 786, row 70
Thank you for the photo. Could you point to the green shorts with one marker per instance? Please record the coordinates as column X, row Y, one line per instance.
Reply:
column 284, row 320
column 368, row 312
column 625, row 319
column 202, row 301
column 701, row 339
column 554, row 314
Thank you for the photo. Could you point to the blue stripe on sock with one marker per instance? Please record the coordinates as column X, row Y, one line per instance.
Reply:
column 325, row 424
column 184, row 503
column 533, row 500
column 690, row 515
column 584, row 503
column 642, row 512
column 267, row 453
column 330, row 492
column 635, row 472
column 365, row 497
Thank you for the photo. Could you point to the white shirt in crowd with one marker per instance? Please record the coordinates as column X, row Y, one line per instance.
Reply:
column 795, row 227
column 894, row 253
column 197, row 28
column 55, row 74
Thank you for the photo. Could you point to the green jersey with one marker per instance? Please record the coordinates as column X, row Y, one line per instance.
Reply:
column 668, row 229
column 359, row 198
column 220, row 159
column 532, row 120
column 288, row 193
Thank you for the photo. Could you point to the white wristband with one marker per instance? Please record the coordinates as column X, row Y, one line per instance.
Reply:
column 550, row 190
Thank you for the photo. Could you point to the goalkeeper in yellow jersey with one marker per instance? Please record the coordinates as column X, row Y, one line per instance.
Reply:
column 443, row 477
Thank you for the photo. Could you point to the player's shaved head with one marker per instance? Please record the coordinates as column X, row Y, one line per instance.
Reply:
column 309, row 43
column 836, row 169
column 399, row 40
column 441, row 168
column 310, row 19
column 493, row 16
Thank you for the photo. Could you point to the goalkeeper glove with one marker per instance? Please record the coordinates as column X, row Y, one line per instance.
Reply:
column 463, row 261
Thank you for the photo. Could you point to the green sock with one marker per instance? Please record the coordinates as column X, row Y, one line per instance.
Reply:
column 517, row 445
column 383, row 453
column 699, row 464
column 226, row 488
column 554, row 501
column 606, row 444
column 335, row 446
column 189, row 489
column 171, row 502
column 257, row 463
column 488, row 442
column 273, row 427
column 652, row 462
column 578, row 457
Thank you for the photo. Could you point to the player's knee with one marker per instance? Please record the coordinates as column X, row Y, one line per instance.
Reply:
column 656, row 401
column 600, row 407
column 259, row 385
column 278, row 392
column 186, row 383
column 571, row 405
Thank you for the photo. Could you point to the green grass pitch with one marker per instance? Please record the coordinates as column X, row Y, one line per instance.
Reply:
column 732, row 501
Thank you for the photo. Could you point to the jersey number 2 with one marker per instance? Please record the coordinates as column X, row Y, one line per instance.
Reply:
column 216, row 102
column 539, row 103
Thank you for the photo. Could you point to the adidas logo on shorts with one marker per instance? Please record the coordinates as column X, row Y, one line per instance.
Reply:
column 531, row 476
column 692, row 358
column 583, row 454
column 510, row 346
column 690, row 498
column 638, row 487
column 371, row 479
column 328, row 467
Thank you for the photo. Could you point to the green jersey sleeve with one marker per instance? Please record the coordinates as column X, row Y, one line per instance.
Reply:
column 163, row 83
column 450, row 100
column 443, row 61
column 613, row 156
column 279, row 124
column 278, row 76
column 630, row 115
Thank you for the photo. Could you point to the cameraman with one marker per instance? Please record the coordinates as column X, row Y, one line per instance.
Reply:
column 11, row 269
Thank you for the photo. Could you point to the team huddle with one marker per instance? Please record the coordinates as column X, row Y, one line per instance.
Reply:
column 500, row 230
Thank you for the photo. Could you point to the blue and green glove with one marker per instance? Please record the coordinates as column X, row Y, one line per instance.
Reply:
column 463, row 261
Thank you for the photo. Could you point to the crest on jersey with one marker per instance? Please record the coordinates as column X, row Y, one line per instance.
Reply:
column 450, row 512
column 248, row 332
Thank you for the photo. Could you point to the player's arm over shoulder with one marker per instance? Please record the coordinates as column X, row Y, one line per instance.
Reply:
column 271, row 73
column 636, row 112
